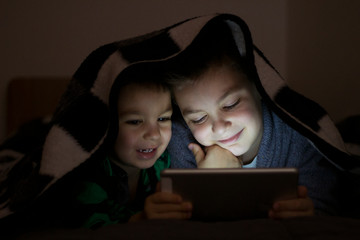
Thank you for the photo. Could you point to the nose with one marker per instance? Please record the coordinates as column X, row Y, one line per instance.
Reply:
column 219, row 126
column 152, row 132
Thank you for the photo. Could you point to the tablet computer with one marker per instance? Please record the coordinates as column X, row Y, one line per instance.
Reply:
column 231, row 194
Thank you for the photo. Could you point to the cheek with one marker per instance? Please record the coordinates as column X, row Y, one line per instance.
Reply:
column 202, row 134
column 243, row 116
column 249, row 113
column 166, row 134
column 125, row 140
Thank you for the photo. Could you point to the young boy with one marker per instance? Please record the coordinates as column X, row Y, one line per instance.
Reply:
column 215, row 91
column 116, row 187
column 118, row 182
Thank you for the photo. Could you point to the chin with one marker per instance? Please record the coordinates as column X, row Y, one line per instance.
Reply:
column 237, row 151
column 147, row 164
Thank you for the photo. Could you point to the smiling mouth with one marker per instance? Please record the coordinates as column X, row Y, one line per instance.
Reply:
column 231, row 139
column 147, row 150
column 146, row 153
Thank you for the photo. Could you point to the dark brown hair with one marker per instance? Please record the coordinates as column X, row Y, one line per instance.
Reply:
column 214, row 46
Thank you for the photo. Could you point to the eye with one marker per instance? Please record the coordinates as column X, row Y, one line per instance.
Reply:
column 134, row 122
column 232, row 105
column 199, row 120
column 164, row 119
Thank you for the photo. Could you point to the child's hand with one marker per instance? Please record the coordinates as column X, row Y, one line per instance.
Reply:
column 302, row 206
column 214, row 157
column 164, row 205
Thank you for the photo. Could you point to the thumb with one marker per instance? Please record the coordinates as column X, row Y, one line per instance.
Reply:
column 197, row 152
column 302, row 192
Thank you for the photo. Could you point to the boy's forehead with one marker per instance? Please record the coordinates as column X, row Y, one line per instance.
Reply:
column 217, row 81
column 133, row 95
column 213, row 87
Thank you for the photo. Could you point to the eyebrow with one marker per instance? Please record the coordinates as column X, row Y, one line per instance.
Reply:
column 168, row 110
column 230, row 91
column 189, row 111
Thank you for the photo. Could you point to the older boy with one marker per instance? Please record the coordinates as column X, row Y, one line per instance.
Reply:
column 217, row 97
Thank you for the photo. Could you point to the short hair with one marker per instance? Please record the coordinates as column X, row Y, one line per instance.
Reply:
column 142, row 74
column 214, row 45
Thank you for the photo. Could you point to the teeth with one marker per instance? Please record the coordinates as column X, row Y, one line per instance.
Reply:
column 146, row 150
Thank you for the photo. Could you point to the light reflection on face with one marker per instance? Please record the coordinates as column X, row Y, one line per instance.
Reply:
column 223, row 107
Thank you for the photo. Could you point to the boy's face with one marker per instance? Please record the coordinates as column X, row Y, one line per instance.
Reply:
column 223, row 107
column 144, row 125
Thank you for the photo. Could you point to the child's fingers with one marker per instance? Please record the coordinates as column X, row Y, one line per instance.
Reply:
column 168, row 211
column 164, row 197
column 170, row 215
column 219, row 157
column 293, row 205
column 163, row 208
column 197, row 152
column 302, row 203
column 288, row 214
column 292, row 208
column 302, row 192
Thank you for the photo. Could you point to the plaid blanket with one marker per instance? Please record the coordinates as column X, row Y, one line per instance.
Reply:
column 80, row 124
